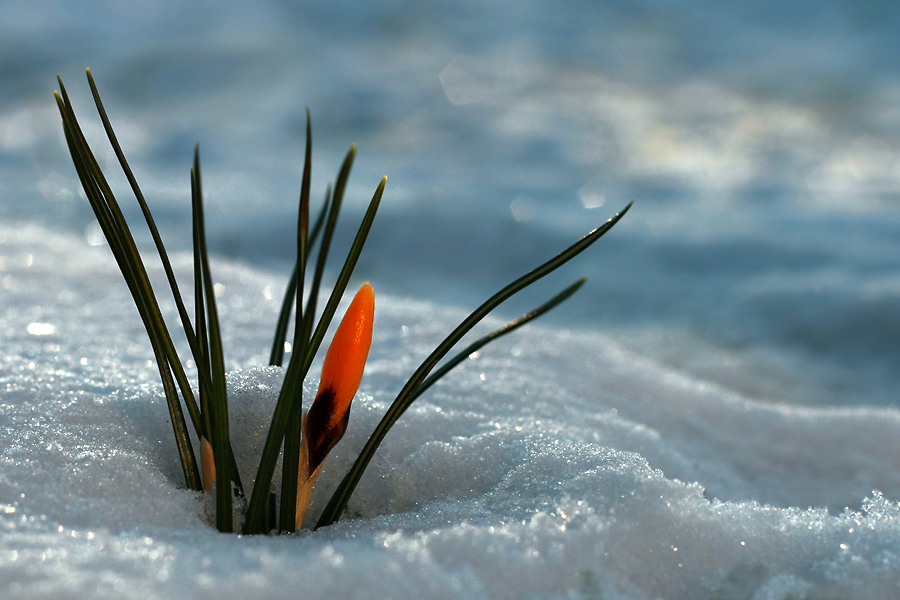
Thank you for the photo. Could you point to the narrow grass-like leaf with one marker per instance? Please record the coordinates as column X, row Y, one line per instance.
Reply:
column 303, row 238
column 201, row 357
column 331, row 209
column 218, row 398
column 289, row 475
column 276, row 357
column 271, row 521
column 291, row 454
column 133, row 268
column 483, row 341
column 341, row 496
column 151, row 225
column 336, row 202
column 201, row 317
column 344, row 277
column 125, row 252
column 295, row 375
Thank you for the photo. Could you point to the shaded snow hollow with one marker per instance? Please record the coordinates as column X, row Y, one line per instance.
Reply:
column 552, row 465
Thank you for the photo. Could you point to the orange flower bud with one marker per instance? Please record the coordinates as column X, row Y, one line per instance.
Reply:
column 342, row 371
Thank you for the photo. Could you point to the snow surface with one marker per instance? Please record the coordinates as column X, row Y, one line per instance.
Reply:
column 732, row 360
column 552, row 465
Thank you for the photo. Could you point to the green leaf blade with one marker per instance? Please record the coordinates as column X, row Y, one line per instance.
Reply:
column 341, row 496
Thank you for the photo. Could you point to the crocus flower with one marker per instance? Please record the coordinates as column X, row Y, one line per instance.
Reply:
column 325, row 423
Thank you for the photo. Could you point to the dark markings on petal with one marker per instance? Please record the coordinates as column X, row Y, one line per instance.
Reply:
column 323, row 428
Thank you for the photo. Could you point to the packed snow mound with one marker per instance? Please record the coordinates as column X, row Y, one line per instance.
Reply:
column 552, row 464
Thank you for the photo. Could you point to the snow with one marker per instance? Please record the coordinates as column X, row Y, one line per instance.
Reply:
column 725, row 384
column 553, row 464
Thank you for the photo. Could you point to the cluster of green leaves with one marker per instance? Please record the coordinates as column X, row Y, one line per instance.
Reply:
column 209, row 415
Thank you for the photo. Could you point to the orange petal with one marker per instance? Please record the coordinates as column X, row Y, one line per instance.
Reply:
column 342, row 371
column 207, row 464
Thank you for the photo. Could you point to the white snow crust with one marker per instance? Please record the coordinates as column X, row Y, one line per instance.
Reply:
column 554, row 464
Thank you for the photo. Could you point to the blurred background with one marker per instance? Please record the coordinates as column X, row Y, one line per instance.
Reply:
column 760, row 141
